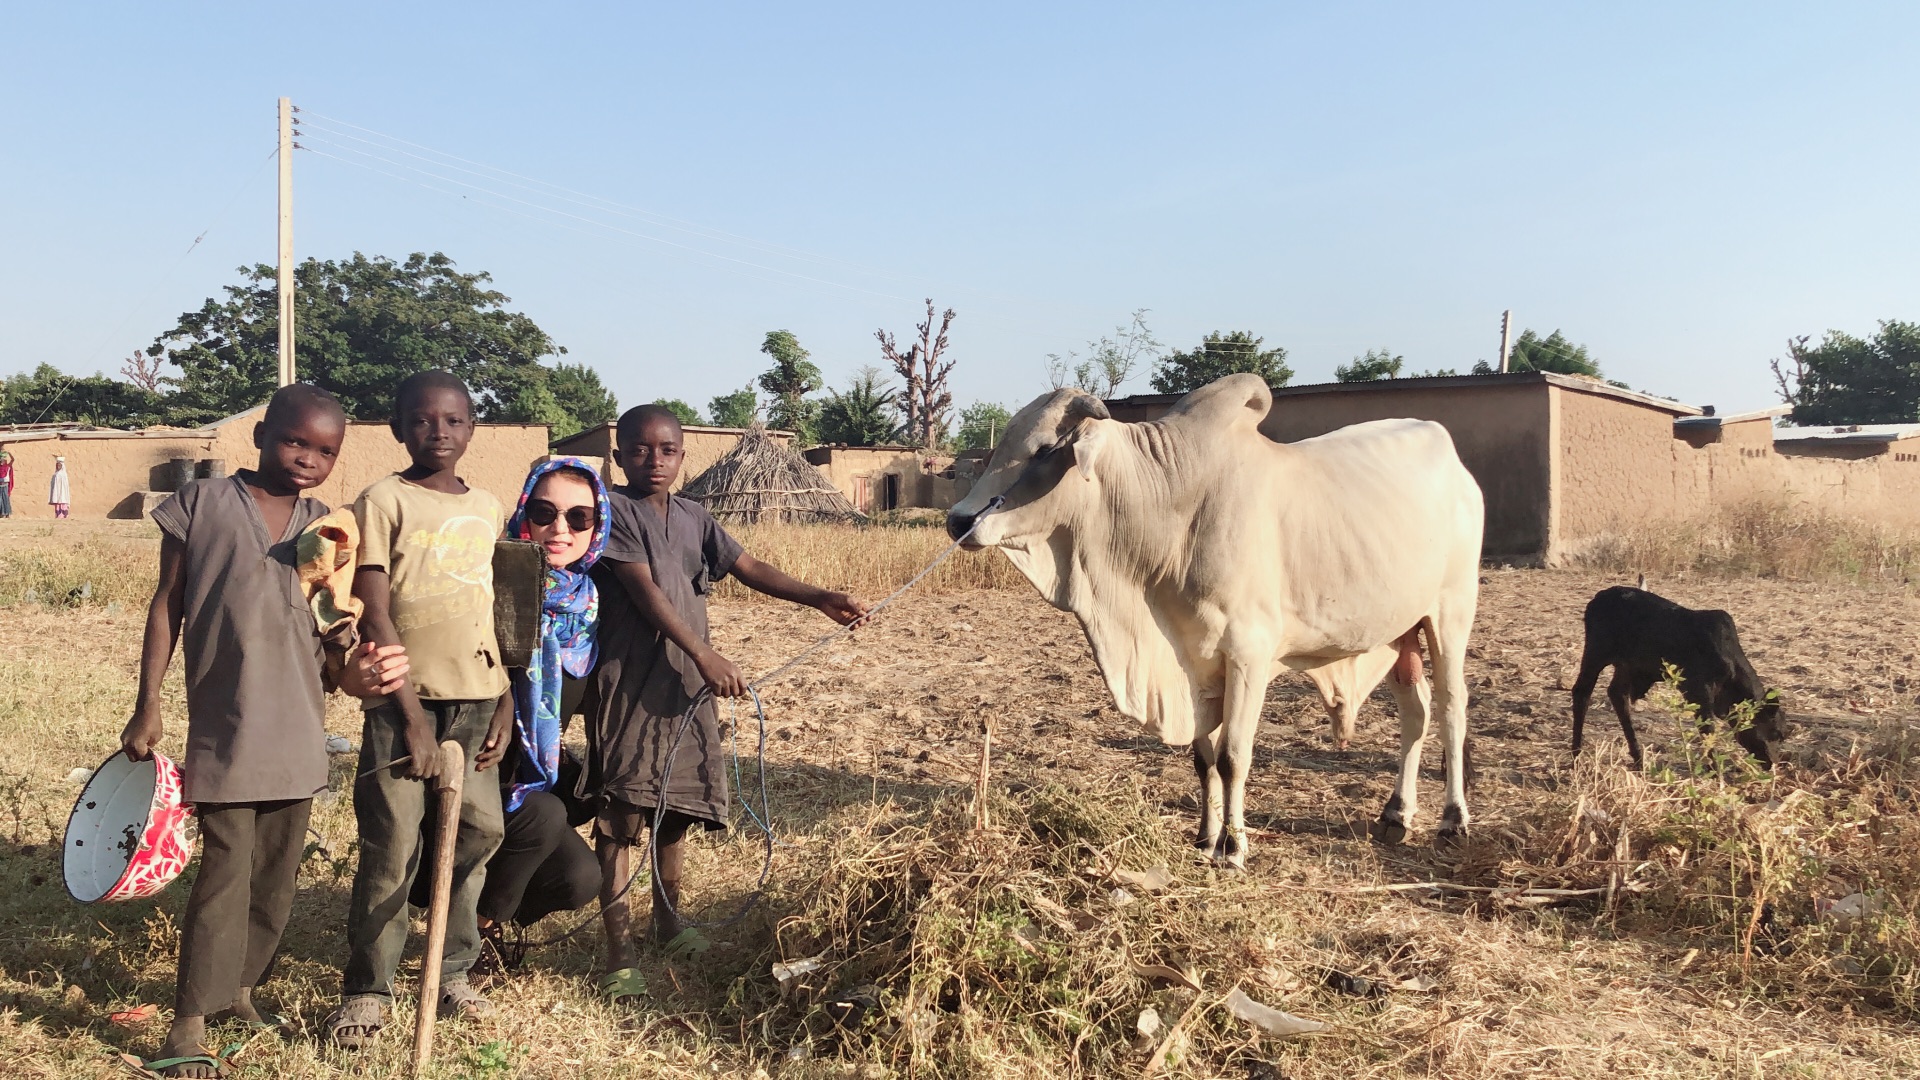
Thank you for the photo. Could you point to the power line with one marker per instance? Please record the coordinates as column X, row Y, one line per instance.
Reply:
column 587, row 220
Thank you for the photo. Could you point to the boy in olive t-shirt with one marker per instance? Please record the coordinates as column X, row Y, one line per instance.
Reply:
column 426, row 577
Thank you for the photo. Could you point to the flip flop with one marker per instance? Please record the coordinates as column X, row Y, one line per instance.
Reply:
column 150, row 1068
column 625, row 983
column 687, row 943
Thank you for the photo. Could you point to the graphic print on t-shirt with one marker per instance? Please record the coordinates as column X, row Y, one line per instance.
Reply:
column 458, row 582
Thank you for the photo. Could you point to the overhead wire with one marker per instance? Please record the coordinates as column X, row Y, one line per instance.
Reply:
column 156, row 283
column 543, row 208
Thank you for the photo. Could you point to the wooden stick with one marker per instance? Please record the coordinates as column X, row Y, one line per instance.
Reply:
column 1159, row 1057
column 980, row 786
column 448, row 785
column 1448, row 886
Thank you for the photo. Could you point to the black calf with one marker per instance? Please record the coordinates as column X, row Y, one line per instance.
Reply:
column 1635, row 632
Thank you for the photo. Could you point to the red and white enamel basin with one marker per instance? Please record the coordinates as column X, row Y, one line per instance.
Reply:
column 127, row 835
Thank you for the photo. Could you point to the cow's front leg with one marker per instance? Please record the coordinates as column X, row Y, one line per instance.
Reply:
column 1246, row 692
column 1205, row 755
column 1206, row 758
column 1415, row 704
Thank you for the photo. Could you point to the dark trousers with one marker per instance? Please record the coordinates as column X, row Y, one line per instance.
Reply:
column 543, row 866
column 249, row 867
column 389, row 809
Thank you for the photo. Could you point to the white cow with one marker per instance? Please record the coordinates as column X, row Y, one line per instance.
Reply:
column 1201, row 557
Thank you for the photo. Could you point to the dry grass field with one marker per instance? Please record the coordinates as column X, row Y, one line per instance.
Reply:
column 1688, row 941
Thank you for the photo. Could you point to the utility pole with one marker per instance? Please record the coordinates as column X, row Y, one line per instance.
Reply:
column 1506, row 338
column 286, row 242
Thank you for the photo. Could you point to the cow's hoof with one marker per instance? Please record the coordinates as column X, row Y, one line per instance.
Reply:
column 1450, row 835
column 1390, row 833
column 1205, row 844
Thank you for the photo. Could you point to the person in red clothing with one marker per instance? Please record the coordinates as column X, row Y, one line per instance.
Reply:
column 6, row 484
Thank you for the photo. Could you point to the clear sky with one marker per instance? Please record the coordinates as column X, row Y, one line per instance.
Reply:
column 1679, row 187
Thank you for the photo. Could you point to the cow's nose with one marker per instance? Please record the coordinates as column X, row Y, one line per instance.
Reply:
column 958, row 523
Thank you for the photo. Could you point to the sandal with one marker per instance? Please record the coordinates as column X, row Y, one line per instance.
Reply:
column 155, row 1068
column 686, row 944
column 460, row 999
column 357, row 1022
column 625, row 983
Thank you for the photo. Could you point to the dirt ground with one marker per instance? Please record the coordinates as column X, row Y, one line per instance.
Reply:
column 905, row 693
column 893, row 712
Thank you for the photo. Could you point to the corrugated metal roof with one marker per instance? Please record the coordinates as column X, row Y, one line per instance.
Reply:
column 1848, row 433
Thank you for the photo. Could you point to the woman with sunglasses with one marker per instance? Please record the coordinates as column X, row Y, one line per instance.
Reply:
column 542, row 865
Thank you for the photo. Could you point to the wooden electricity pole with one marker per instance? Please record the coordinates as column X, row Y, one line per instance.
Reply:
column 286, row 242
column 1506, row 337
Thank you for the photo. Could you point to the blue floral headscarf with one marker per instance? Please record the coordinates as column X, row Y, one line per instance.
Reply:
column 569, row 625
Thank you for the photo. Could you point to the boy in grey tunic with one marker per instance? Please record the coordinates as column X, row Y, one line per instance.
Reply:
column 255, row 688
column 663, row 555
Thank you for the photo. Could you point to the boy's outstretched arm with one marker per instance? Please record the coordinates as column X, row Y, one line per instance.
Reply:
column 721, row 674
column 762, row 577
column 375, row 590
column 142, row 732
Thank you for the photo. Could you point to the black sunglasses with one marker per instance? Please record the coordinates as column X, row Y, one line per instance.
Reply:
column 579, row 518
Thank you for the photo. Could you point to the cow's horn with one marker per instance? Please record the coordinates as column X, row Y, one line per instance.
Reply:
column 1086, row 406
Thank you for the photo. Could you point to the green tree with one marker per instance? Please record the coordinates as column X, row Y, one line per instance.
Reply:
column 1851, row 380
column 47, row 395
column 584, row 401
column 685, row 412
column 982, row 424
column 1377, row 364
column 791, row 378
column 1553, row 353
column 1109, row 362
column 864, row 414
column 363, row 325
column 1218, row 356
column 738, row 409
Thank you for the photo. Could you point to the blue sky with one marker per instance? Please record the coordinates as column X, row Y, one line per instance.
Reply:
column 1680, row 187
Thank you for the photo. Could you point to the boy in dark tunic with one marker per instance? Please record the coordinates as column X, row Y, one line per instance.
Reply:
column 662, row 557
column 255, row 739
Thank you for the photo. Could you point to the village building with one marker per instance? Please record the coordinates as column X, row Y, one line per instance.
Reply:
column 1565, row 462
column 876, row 479
column 125, row 474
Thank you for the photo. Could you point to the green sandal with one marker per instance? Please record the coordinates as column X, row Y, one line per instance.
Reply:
column 152, row 1068
column 686, row 944
column 625, row 983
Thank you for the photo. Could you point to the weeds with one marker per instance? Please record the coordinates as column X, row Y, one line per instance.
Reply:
column 1760, row 539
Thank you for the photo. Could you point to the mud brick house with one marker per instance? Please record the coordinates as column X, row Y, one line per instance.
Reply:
column 124, row 474
column 1565, row 461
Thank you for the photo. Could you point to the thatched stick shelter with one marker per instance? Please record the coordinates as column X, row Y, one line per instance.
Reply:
column 761, row 480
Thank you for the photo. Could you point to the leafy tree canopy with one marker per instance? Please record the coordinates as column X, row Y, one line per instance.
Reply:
column 1109, row 362
column 45, row 395
column 1377, row 364
column 864, row 414
column 1218, row 356
column 1851, row 380
column 791, row 378
column 686, row 413
column 738, row 409
column 583, row 401
column 1553, row 353
column 982, row 424
column 363, row 325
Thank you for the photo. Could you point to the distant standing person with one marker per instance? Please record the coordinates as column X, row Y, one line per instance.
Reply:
column 60, row 488
column 6, row 484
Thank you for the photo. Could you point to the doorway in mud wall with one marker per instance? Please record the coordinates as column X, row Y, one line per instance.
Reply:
column 863, row 494
column 889, row 491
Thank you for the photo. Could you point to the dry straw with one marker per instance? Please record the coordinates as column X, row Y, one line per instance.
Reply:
column 760, row 480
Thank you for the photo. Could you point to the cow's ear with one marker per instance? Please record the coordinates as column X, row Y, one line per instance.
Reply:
column 1088, row 441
